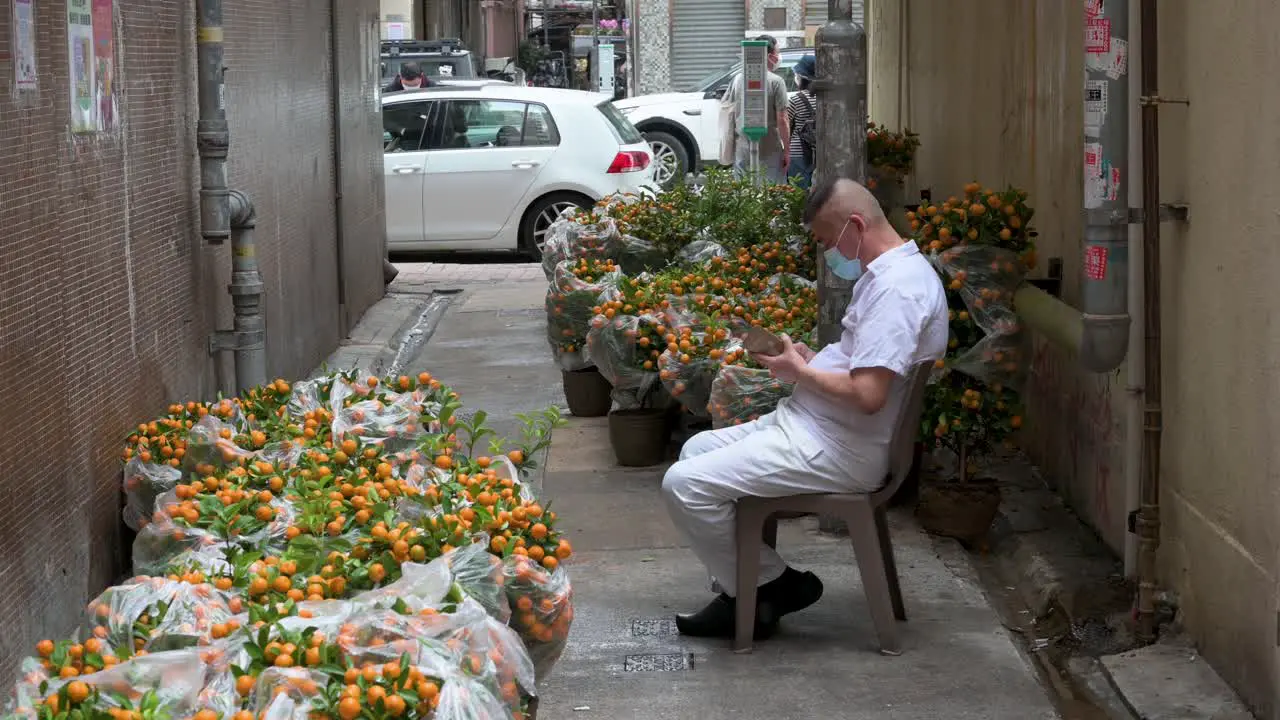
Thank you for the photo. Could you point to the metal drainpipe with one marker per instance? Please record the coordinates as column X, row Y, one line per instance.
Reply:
column 225, row 213
column 1097, row 333
column 211, row 127
column 1148, row 523
column 248, row 335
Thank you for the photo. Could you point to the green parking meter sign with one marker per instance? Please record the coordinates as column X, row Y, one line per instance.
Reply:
column 755, row 89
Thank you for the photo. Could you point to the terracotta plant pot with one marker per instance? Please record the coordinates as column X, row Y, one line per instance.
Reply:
column 587, row 392
column 963, row 511
column 640, row 437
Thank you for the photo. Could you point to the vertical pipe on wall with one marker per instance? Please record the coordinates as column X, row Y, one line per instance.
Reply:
column 1104, row 286
column 249, row 330
column 1149, row 512
column 212, row 136
column 1134, row 366
column 335, row 107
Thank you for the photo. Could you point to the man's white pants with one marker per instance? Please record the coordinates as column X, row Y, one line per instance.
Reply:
column 774, row 456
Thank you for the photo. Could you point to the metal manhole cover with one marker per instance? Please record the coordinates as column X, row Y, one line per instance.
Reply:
column 658, row 627
column 669, row 662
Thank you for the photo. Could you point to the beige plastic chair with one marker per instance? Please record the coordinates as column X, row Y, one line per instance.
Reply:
column 868, row 529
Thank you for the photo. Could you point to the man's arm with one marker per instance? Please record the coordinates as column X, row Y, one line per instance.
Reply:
column 784, row 126
column 865, row 388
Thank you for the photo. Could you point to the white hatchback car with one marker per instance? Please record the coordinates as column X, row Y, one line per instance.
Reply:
column 490, row 166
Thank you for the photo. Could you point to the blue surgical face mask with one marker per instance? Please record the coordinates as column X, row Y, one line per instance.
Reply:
column 841, row 266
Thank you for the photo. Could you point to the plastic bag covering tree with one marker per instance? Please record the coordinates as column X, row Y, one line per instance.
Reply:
column 982, row 246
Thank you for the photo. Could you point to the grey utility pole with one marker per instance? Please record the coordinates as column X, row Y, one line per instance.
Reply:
column 841, row 87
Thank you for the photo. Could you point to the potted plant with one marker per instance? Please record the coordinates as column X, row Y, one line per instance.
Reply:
column 981, row 246
column 890, row 159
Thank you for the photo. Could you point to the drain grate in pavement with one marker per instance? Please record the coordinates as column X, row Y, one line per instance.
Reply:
column 669, row 662
column 657, row 627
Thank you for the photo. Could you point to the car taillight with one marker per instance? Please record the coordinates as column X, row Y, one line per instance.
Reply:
column 629, row 161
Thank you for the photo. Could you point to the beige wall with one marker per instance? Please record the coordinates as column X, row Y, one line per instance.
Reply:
column 994, row 88
column 400, row 11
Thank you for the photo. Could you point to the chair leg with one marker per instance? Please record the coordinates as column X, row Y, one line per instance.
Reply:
column 749, row 529
column 890, row 565
column 771, row 531
column 866, row 542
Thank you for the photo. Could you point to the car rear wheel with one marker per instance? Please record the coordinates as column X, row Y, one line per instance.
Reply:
column 670, row 159
column 540, row 216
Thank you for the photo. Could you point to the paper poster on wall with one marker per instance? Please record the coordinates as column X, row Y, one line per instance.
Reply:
column 1097, row 35
column 24, row 45
column 1095, row 107
column 80, row 55
column 104, row 55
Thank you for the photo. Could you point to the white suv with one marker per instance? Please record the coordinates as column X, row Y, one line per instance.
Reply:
column 683, row 128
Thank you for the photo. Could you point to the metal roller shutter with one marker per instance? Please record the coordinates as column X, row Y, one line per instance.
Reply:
column 815, row 12
column 705, row 35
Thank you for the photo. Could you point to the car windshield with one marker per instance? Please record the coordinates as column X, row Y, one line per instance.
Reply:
column 457, row 66
column 720, row 77
column 711, row 81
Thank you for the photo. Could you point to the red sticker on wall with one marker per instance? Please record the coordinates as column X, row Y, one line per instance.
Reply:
column 1095, row 262
column 1097, row 35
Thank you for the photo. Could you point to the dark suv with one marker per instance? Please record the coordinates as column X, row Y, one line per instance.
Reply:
column 440, row 59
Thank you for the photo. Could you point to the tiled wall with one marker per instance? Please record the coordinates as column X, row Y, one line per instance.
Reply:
column 653, row 27
column 795, row 13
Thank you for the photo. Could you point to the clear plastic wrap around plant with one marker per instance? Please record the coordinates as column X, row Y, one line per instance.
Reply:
column 158, row 685
column 143, row 483
column 481, row 576
column 985, row 279
column 542, row 609
column 612, row 344
column 160, row 542
column 155, row 614
column 574, row 236
column 420, row 586
column 689, row 377
column 571, row 303
column 302, row 688
column 393, row 422
column 741, row 394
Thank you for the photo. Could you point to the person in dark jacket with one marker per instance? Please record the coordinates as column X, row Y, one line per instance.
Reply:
column 409, row 78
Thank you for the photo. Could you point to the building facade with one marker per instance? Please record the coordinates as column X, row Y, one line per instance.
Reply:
column 108, row 294
column 1012, row 111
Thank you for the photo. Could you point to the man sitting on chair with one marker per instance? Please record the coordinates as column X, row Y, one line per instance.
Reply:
column 833, row 434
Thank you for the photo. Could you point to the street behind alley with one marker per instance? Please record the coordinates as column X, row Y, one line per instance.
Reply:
column 631, row 571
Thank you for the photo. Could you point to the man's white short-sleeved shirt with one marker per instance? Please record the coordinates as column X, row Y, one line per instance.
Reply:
column 896, row 319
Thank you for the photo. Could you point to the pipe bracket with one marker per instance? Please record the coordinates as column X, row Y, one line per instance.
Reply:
column 236, row 340
column 1169, row 212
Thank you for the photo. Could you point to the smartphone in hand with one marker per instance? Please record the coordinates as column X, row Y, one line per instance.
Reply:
column 759, row 341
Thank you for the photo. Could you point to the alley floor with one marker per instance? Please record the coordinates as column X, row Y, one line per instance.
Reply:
column 485, row 336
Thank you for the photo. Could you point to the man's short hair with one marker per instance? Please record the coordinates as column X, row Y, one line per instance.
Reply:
column 819, row 196
column 773, row 42
column 411, row 71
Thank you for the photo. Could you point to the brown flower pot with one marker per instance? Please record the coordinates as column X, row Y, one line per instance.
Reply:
column 640, row 437
column 963, row 511
column 587, row 392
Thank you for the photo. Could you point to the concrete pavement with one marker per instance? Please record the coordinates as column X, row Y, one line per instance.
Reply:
column 632, row 570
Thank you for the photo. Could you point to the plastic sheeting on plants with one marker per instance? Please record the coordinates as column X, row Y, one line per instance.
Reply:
column 573, row 236
column 154, row 614
column 616, row 347
column 143, row 483
column 542, row 609
column 162, row 684
column 985, row 279
column 741, row 394
column 571, row 303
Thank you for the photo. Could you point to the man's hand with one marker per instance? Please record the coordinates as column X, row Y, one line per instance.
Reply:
column 804, row 351
column 786, row 365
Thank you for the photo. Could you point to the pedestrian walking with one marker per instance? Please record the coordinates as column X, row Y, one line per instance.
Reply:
column 832, row 435
column 802, row 116
column 735, row 147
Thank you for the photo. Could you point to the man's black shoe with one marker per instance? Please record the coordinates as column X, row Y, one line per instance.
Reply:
column 792, row 592
column 716, row 620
